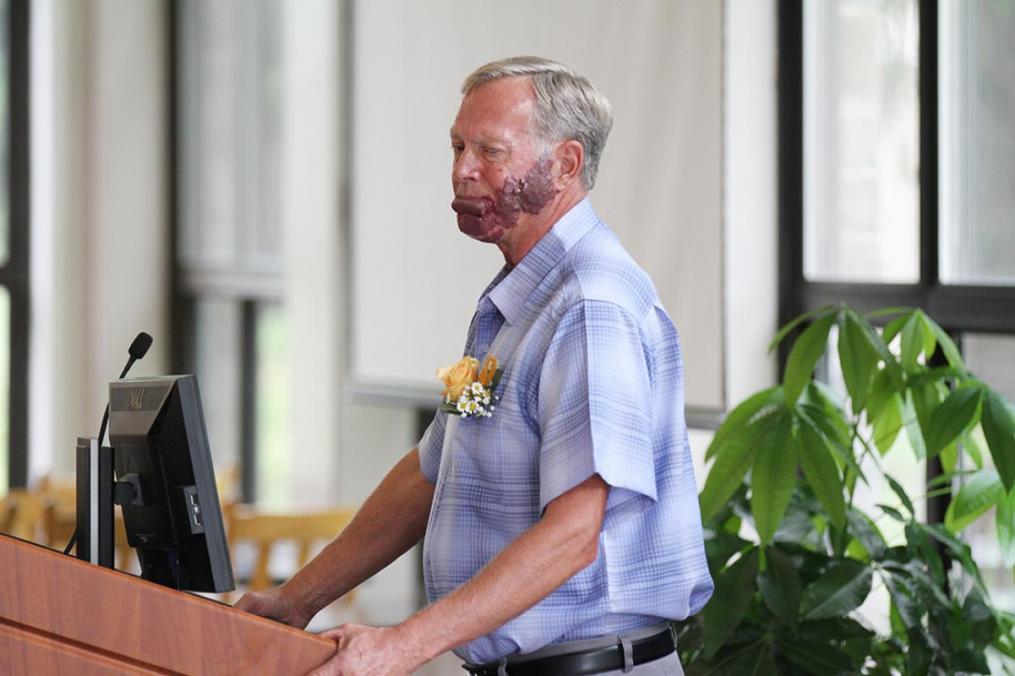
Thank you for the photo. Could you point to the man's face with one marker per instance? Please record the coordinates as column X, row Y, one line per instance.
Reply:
column 501, row 171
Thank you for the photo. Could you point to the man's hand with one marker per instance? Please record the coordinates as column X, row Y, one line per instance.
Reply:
column 367, row 651
column 275, row 604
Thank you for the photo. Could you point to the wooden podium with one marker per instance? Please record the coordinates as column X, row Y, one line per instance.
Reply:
column 59, row 615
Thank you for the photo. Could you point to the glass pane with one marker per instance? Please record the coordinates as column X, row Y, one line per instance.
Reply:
column 272, row 387
column 861, row 141
column 4, row 138
column 218, row 324
column 5, row 382
column 992, row 358
column 976, row 141
column 230, row 117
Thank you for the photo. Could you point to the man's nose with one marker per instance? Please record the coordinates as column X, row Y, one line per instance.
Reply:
column 466, row 166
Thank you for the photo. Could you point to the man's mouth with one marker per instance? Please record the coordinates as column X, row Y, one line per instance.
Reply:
column 472, row 206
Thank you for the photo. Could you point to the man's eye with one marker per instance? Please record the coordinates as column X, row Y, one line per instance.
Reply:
column 492, row 152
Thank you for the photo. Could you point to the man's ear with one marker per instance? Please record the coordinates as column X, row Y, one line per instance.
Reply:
column 570, row 156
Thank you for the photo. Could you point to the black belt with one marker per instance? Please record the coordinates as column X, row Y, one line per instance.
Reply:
column 591, row 661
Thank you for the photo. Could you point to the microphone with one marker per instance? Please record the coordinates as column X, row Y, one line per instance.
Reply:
column 137, row 350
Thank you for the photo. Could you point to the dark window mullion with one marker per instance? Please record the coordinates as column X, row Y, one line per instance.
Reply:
column 248, row 405
column 928, row 65
column 15, row 273
column 792, row 286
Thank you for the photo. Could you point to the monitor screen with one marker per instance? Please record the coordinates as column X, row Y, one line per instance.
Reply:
column 166, row 483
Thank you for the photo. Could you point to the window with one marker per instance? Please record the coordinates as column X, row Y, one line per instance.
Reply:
column 976, row 46
column 860, row 142
column 13, row 242
column 897, row 153
column 229, row 316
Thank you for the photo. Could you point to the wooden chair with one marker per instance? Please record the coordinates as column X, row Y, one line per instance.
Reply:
column 247, row 523
column 21, row 513
column 58, row 497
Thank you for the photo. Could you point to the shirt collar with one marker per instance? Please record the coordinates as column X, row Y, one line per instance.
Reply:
column 511, row 288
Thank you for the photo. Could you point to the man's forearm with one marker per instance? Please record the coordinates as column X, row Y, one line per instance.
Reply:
column 562, row 543
column 391, row 521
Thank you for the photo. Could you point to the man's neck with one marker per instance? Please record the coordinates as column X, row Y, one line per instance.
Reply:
column 526, row 236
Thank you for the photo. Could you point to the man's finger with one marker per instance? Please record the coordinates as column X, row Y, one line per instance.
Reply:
column 335, row 634
column 324, row 670
column 245, row 603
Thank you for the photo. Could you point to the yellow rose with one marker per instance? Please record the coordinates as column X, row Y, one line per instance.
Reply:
column 488, row 371
column 458, row 376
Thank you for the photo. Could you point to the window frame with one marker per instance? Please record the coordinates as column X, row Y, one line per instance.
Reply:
column 189, row 285
column 958, row 308
column 14, row 274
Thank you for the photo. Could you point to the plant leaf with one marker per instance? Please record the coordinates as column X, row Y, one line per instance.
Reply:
column 888, row 311
column 773, row 477
column 912, row 342
column 902, row 601
column 780, row 586
column 911, row 423
column 893, row 327
column 734, row 589
column 731, row 465
column 927, row 333
column 960, row 551
column 888, row 425
column 805, row 353
column 892, row 512
column 816, row 658
column 900, row 493
column 858, row 360
column 951, row 351
column 843, row 587
column 866, row 532
column 979, row 492
column 950, row 457
column 742, row 415
column 973, row 443
column 999, row 429
column 1006, row 528
column 793, row 323
column 818, row 463
column 957, row 412
column 830, row 432
column 755, row 659
column 927, row 396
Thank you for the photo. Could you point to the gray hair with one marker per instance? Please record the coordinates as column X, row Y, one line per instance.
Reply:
column 567, row 106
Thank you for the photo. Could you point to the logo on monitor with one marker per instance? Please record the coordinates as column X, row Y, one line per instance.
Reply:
column 136, row 400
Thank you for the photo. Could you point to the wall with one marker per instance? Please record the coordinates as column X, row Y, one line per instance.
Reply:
column 99, row 218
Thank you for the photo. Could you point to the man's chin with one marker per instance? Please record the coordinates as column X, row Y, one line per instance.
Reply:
column 478, row 230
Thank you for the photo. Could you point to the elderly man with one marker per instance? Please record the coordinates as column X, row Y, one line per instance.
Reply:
column 562, row 525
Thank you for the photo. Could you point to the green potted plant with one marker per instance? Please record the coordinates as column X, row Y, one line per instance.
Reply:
column 794, row 556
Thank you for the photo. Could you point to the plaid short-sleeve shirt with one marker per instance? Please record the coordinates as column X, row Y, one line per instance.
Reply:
column 592, row 384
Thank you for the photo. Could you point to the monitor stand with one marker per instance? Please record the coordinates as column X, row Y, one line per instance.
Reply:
column 95, row 502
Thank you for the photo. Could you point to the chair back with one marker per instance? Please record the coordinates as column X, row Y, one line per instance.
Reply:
column 247, row 523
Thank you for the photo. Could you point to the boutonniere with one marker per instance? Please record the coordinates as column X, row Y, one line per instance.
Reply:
column 468, row 388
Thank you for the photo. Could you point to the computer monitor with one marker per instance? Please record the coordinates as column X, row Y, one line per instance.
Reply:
column 165, row 483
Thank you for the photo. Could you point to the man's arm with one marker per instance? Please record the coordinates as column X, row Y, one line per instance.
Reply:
column 563, row 542
column 391, row 521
